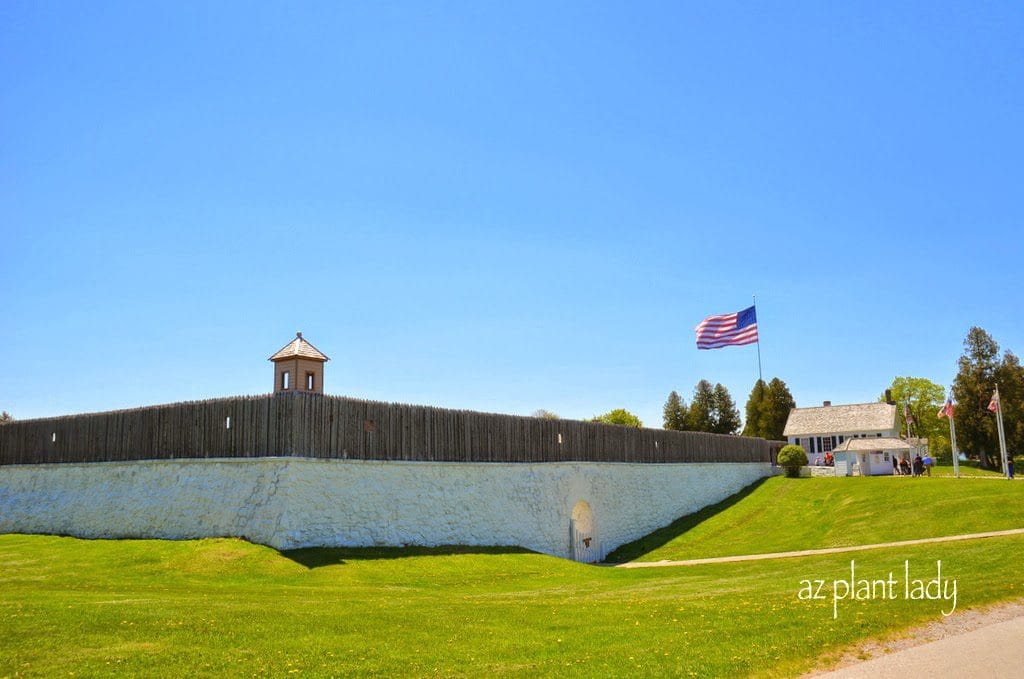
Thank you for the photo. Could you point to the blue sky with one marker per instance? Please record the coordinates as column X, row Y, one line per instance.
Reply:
column 503, row 206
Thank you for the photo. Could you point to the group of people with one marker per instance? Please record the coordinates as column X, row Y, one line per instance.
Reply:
column 829, row 461
column 920, row 466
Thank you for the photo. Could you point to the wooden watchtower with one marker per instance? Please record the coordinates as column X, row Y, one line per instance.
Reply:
column 299, row 366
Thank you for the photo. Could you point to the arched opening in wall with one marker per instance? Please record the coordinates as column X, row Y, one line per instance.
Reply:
column 583, row 543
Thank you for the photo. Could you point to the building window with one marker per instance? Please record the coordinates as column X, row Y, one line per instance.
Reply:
column 309, row 381
column 286, row 380
column 826, row 444
column 879, row 434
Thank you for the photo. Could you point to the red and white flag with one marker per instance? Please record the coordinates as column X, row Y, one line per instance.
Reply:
column 947, row 410
column 993, row 405
column 727, row 330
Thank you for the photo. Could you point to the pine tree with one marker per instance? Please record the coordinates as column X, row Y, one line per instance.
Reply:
column 701, row 414
column 675, row 413
column 726, row 416
column 768, row 409
column 972, row 388
column 1010, row 377
column 779, row 403
column 755, row 411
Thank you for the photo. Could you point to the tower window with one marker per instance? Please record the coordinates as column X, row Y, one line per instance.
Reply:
column 309, row 381
column 286, row 380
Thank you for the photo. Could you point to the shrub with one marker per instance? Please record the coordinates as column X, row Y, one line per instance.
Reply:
column 791, row 458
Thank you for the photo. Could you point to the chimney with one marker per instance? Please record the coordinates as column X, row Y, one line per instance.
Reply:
column 888, row 397
column 826, row 404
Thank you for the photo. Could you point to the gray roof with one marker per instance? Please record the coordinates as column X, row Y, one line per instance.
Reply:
column 299, row 348
column 870, row 444
column 860, row 417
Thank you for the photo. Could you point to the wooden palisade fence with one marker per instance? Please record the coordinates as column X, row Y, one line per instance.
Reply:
column 319, row 426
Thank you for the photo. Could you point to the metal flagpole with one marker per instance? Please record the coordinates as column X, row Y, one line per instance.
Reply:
column 908, row 418
column 952, row 438
column 760, row 377
column 1002, row 435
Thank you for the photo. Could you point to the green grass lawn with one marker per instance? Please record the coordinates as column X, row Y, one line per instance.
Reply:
column 780, row 514
column 226, row 607
column 967, row 469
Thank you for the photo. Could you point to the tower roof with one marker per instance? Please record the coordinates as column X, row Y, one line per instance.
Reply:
column 299, row 348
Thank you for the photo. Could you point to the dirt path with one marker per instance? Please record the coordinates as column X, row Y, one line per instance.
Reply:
column 814, row 552
column 978, row 643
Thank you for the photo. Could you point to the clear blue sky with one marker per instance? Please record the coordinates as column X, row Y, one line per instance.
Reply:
column 503, row 206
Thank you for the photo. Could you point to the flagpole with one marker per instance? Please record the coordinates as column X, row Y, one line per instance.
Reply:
column 952, row 439
column 908, row 418
column 760, row 377
column 1002, row 434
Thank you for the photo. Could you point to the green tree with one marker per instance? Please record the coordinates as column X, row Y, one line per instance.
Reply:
column 922, row 398
column 701, row 415
column 545, row 414
column 753, row 424
column 619, row 416
column 980, row 369
column 768, row 409
column 780, row 403
column 727, row 417
column 1010, row 378
column 675, row 413
column 712, row 410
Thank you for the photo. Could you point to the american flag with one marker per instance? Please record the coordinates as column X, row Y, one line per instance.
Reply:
column 728, row 330
column 993, row 405
column 947, row 410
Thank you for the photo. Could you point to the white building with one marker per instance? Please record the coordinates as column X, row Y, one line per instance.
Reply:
column 863, row 438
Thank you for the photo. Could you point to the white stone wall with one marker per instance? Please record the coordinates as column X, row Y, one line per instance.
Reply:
column 297, row 502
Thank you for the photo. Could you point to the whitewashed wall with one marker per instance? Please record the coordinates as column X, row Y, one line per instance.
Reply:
column 296, row 502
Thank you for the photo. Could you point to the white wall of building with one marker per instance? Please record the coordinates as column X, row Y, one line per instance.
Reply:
column 288, row 503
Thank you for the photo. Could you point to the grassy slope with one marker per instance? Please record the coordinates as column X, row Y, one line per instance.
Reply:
column 216, row 607
column 782, row 514
column 225, row 607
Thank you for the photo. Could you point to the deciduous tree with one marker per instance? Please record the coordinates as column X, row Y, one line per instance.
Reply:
column 922, row 398
column 619, row 416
